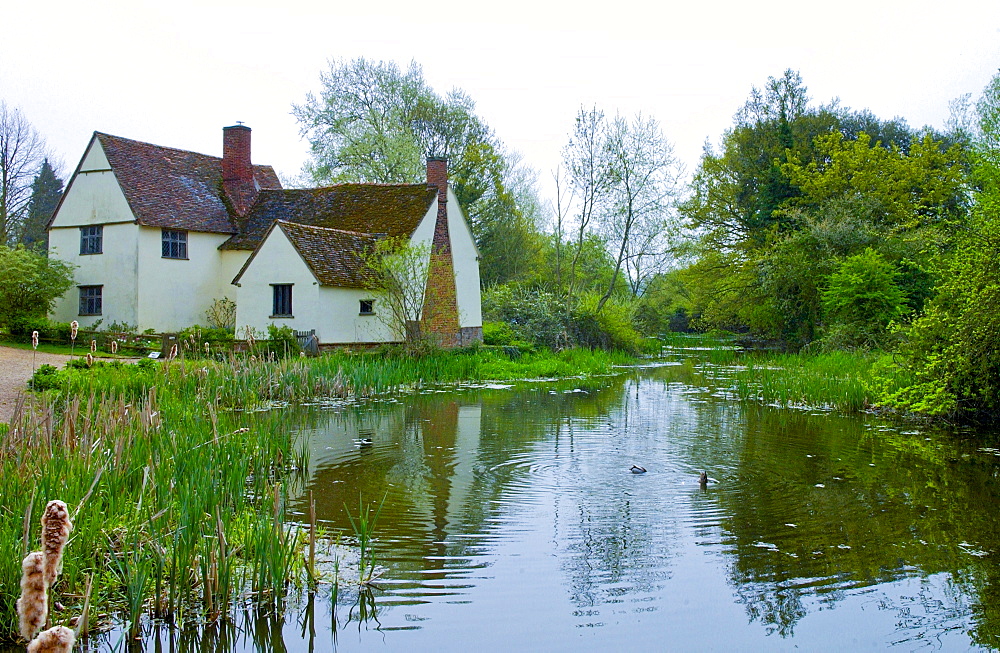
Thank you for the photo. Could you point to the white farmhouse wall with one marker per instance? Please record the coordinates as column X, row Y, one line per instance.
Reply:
column 114, row 269
column 95, row 198
column 340, row 320
column 276, row 262
column 465, row 257
column 175, row 293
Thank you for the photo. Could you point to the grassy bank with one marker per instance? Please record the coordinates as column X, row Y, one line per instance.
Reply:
column 178, row 478
column 848, row 381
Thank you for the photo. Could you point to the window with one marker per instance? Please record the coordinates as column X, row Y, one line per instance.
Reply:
column 92, row 239
column 367, row 306
column 282, row 300
column 90, row 300
column 175, row 244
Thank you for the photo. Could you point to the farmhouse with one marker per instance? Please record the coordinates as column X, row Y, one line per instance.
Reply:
column 158, row 234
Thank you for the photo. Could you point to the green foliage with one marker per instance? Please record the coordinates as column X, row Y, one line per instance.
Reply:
column 29, row 285
column 46, row 191
column 950, row 353
column 281, row 341
column 862, row 298
column 797, row 190
column 608, row 327
column 533, row 315
column 46, row 377
column 498, row 333
column 374, row 122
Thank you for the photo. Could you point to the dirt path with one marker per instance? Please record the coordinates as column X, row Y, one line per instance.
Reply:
column 15, row 370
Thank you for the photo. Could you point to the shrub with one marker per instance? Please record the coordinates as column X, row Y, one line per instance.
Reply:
column 497, row 333
column 534, row 316
column 862, row 297
column 46, row 377
column 221, row 315
column 610, row 328
column 281, row 341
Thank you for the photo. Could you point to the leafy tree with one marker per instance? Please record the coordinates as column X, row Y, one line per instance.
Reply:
column 21, row 154
column 374, row 122
column 951, row 350
column 46, row 191
column 29, row 285
column 862, row 294
column 398, row 275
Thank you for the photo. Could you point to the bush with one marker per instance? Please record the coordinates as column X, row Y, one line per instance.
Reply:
column 610, row 328
column 281, row 341
column 534, row 316
column 46, row 377
column 497, row 333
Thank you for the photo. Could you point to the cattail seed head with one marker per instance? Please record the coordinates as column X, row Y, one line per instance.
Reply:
column 93, row 345
column 34, row 340
column 208, row 349
column 33, row 606
column 74, row 326
column 173, row 352
column 55, row 532
column 90, row 359
column 54, row 640
column 114, row 346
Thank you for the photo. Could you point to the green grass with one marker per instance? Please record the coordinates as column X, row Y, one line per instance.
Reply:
column 835, row 380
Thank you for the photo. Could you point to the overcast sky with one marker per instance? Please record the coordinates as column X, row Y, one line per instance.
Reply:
column 175, row 72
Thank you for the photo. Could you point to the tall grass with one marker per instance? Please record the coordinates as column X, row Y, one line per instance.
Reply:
column 835, row 380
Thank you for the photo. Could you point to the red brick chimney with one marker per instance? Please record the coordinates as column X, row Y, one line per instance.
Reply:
column 440, row 315
column 237, row 171
column 437, row 175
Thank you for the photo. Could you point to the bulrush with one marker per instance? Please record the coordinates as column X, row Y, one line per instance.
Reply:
column 74, row 327
column 33, row 606
column 54, row 640
column 55, row 531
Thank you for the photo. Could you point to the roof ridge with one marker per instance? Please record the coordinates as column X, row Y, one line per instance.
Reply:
column 162, row 147
column 320, row 228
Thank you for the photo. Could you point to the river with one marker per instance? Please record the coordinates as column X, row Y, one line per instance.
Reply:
column 511, row 521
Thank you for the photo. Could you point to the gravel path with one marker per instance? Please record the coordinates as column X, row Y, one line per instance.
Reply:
column 15, row 370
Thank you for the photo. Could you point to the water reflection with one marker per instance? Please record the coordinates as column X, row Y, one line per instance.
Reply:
column 511, row 520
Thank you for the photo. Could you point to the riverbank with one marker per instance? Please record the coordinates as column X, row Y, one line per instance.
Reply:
column 179, row 472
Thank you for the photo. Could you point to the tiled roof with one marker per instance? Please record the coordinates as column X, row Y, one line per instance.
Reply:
column 392, row 210
column 334, row 256
column 172, row 188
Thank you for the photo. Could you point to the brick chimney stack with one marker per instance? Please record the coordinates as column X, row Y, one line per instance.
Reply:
column 440, row 314
column 237, row 171
column 437, row 175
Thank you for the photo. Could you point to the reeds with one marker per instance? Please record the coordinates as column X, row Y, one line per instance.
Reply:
column 364, row 531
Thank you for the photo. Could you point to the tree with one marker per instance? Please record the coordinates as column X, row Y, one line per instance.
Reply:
column 29, row 285
column 583, row 157
column 22, row 152
column 373, row 122
column 46, row 191
column 642, row 181
column 951, row 350
column 397, row 274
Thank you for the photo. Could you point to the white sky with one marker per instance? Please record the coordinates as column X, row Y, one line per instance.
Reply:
column 174, row 72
